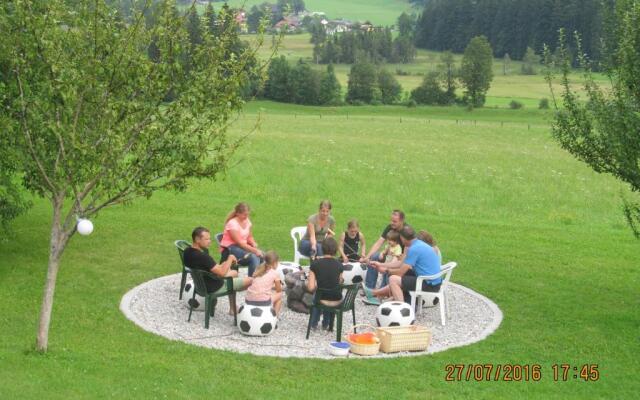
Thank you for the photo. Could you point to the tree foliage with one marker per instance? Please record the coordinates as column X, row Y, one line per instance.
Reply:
column 430, row 91
column 530, row 62
column 390, row 88
column 476, row 71
column 363, row 83
column 604, row 132
column 377, row 45
column 85, row 110
column 330, row 89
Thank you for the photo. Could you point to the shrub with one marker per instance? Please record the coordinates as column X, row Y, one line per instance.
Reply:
column 411, row 103
column 514, row 105
column 544, row 104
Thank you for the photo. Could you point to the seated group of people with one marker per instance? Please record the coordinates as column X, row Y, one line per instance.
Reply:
column 406, row 256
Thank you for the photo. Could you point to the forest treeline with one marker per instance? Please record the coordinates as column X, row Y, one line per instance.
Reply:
column 510, row 25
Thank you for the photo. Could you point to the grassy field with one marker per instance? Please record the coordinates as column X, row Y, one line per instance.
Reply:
column 379, row 12
column 531, row 228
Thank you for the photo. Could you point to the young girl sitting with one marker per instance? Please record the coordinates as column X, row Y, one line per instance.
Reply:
column 350, row 243
column 392, row 251
column 265, row 278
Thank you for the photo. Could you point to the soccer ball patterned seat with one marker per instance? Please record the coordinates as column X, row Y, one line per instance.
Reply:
column 198, row 301
column 257, row 320
column 394, row 313
column 353, row 273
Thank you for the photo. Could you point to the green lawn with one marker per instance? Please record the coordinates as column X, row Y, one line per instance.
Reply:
column 531, row 228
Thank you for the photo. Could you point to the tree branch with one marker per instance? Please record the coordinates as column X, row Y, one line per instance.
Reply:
column 27, row 135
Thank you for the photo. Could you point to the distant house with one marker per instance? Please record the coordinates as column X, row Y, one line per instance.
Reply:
column 336, row 26
column 291, row 22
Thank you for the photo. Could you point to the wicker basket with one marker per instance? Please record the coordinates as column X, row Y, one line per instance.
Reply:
column 404, row 338
column 364, row 349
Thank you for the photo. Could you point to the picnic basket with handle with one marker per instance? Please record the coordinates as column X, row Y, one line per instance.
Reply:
column 364, row 349
column 404, row 338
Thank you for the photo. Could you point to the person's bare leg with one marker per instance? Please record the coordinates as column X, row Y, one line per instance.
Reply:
column 382, row 293
column 232, row 303
column 246, row 282
column 395, row 285
column 276, row 299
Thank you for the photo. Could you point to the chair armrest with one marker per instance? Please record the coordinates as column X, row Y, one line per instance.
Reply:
column 423, row 278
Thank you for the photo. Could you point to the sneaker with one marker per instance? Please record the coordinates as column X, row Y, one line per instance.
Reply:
column 371, row 299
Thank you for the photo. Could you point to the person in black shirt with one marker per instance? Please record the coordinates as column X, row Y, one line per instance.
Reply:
column 396, row 224
column 197, row 257
column 352, row 247
column 326, row 273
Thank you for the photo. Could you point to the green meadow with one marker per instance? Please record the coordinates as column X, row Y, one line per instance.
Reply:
column 533, row 229
column 379, row 12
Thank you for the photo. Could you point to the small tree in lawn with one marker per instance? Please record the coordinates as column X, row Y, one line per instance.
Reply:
column 476, row 71
column 84, row 109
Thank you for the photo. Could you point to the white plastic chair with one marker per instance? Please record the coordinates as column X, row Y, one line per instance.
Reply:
column 445, row 271
column 297, row 234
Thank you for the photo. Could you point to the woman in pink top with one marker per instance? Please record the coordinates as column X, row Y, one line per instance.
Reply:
column 264, row 279
column 238, row 238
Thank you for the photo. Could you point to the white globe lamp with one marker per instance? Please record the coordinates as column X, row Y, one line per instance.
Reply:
column 85, row 227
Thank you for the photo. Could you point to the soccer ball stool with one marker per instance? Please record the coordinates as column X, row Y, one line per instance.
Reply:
column 187, row 297
column 394, row 313
column 257, row 320
column 353, row 273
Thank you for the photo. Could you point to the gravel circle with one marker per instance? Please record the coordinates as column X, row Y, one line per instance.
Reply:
column 155, row 307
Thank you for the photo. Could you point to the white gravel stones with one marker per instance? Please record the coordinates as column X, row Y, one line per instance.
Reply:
column 155, row 307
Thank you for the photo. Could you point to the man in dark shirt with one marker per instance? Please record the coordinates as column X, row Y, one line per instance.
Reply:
column 326, row 273
column 197, row 257
column 396, row 224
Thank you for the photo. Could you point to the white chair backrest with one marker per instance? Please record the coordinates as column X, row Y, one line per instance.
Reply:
column 446, row 270
column 297, row 233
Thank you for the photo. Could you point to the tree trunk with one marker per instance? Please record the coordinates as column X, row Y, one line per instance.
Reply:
column 58, row 242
